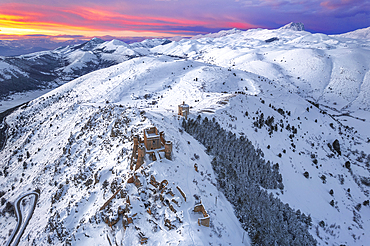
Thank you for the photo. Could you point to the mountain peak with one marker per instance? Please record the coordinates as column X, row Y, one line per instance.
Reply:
column 91, row 44
column 295, row 26
column 96, row 40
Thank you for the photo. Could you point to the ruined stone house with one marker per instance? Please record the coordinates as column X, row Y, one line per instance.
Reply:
column 205, row 220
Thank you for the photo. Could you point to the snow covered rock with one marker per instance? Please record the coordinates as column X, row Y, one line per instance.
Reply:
column 295, row 26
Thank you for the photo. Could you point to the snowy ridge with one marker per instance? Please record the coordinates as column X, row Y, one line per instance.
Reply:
column 8, row 71
column 363, row 33
column 218, row 34
column 302, row 100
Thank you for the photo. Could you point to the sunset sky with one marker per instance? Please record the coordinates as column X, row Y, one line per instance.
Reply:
column 82, row 19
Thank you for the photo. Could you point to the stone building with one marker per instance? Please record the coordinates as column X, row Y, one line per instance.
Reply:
column 205, row 220
column 183, row 110
column 153, row 143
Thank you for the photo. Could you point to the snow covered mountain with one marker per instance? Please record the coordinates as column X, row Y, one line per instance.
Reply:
column 329, row 70
column 48, row 69
column 276, row 147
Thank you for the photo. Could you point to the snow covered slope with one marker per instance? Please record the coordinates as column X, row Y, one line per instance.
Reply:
column 302, row 99
column 363, row 33
column 79, row 164
column 328, row 70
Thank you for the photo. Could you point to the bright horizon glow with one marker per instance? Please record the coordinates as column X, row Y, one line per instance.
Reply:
column 169, row 18
column 16, row 22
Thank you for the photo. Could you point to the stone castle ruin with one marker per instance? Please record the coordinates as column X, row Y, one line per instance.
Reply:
column 152, row 144
column 162, row 196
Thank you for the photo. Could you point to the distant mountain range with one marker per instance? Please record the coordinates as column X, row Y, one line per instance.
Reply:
column 31, row 45
column 36, row 44
column 49, row 69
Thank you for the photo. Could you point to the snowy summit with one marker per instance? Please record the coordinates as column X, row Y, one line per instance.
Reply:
column 293, row 26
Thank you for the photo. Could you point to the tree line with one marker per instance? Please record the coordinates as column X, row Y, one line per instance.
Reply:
column 243, row 176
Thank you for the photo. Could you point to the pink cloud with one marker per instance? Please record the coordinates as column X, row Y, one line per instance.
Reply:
column 179, row 17
column 107, row 19
column 338, row 4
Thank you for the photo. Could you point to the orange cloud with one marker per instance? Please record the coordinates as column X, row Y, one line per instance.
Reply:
column 111, row 17
column 24, row 19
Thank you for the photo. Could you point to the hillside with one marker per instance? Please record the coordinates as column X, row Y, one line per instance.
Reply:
column 363, row 33
column 298, row 101
column 49, row 69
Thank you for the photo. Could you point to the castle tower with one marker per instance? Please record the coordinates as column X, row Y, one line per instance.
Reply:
column 140, row 156
column 168, row 150
column 161, row 135
column 152, row 138
column 136, row 142
column 183, row 110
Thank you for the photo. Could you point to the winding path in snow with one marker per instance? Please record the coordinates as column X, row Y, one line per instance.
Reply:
column 19, row 229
